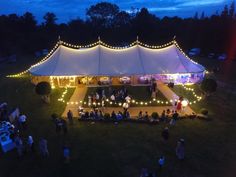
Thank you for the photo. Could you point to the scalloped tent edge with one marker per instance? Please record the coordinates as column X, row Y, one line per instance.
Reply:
column 100, row 59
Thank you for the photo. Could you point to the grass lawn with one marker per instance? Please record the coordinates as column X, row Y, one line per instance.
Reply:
column 226, row 71
column 180, row 91
column 107, row 150
column 138, row 93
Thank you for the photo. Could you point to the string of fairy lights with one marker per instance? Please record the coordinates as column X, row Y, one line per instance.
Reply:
column 39, row 63
column 110, row 102
column 99, row 42
column 51, row 82
column 132, row 101
column 181, row 50
column 62, row 97
column 197, row 97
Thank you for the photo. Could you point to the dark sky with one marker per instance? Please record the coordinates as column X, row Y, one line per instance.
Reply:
column 71, row 9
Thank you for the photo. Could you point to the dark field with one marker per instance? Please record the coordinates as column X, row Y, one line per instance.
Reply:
column 107, row 150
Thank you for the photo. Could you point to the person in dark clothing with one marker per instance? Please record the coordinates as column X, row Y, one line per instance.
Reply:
column 113, row 115
column 86, row 116
column 163, row 116
column 161, row 162
column 91, row 115
column 64, row 126
column 165, row 134
column 175, row 116
column 58, row 124
column 146, row 116
column 70, row 116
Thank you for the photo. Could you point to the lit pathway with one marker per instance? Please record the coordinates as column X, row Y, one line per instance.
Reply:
column 167, row 92
column 78, row 95
column 170, row 95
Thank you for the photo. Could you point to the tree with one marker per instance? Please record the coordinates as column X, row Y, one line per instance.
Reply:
column 50, row 19
column 225, row 12
column 202, row 16
column 232, row 10
column 29, row 20
column 102, row 13
column 196, row 16
column 145, row 23
column 43, row 89
column 209, row 86
column 122, row 18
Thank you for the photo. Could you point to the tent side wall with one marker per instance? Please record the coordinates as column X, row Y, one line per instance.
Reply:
column 36, row 79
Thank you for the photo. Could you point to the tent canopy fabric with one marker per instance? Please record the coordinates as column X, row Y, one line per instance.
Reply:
column 103, row 61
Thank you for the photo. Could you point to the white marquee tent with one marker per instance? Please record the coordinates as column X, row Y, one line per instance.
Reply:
column 100, row 60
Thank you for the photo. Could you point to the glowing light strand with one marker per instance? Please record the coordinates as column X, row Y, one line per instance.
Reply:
column 198, row 98
column 141, row 103
column 99, row 42
column 61, row 99
column 39, row 63
column 134, row 102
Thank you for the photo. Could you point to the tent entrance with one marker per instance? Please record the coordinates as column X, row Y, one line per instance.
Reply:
column 67, row 81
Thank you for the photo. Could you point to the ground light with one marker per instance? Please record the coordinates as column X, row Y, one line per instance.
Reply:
column 184, row 103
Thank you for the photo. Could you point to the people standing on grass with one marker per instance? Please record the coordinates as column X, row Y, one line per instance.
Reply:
column 58, row 124
column 163, row 116
column 165, row 134
column 168, row 113
column 161, row 162
column 30, row 143
column 19, row 146
column 144, row 172
column 64, row 127
column 146, row 116
column 43, row 147
column 22, row 121
column 66, row 153
column 140, row 115
column 70, row 116
column 175, row 116
column 179, row 104
column 127, row 114
column 180, row 149
column 113, row 115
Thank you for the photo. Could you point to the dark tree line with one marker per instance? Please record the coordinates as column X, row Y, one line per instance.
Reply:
column 22, row 34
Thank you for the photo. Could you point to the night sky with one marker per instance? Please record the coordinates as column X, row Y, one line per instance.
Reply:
column 71, row 9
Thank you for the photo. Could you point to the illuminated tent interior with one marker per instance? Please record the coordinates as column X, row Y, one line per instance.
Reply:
column 99, row 60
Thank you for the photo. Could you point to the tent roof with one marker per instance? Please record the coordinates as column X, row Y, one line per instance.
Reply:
column 101, row 60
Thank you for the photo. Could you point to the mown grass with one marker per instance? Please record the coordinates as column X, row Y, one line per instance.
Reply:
column 108, row 150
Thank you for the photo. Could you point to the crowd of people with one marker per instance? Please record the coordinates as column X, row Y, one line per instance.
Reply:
column 98, row 114
column 114, row 95
column 17, row 119
column 167, row 116
column 161, row 161
column 117, row 95
column 24, row 143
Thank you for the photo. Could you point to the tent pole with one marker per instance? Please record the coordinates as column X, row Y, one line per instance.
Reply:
column 58, row 82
